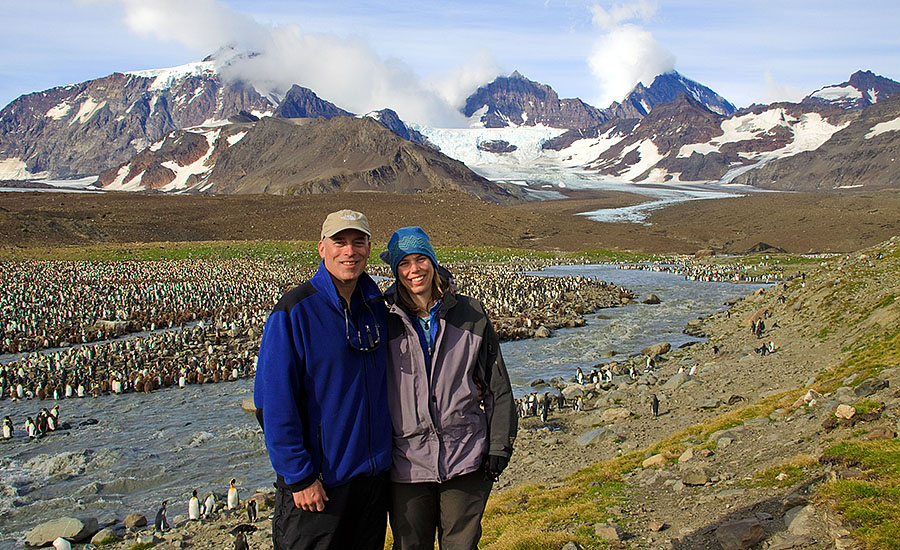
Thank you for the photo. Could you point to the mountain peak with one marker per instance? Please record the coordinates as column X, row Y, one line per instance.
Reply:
column 863, row 88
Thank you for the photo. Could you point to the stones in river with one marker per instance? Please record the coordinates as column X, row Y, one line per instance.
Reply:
column 73, row 529
column 651, row 299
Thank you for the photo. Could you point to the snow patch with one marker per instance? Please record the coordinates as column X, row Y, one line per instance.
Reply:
column 883, row 127
column 583, row 151
column 810, row 132
column 838, row 93
column 16, row 169
column 261, row 114
column 87, row 110
column 236, row 138
column 873, row 95
column 163, row 79
column 158, row 145
column 649, row 156
column 199, row 166
column 741, row 128
column 59, row 111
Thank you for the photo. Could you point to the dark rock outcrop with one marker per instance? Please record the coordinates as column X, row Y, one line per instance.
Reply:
column 864, row 88
column 666, row 88
column 497, row 146
column 517, row 101
column 300, row 102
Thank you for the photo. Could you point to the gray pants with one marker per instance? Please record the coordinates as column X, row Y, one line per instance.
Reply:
column 453, row 508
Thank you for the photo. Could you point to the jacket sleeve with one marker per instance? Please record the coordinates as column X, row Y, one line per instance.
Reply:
column 503, row 422
column 278, row 391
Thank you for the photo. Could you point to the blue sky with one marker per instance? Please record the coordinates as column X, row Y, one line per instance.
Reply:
column 748, row 51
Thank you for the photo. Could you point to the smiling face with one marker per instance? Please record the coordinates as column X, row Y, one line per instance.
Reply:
column 345, row 255
column 416, row 274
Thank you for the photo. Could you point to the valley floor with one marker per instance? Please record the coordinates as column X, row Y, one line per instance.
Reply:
column 795, row 222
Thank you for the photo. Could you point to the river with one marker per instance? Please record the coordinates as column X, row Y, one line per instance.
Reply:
column 144, row 448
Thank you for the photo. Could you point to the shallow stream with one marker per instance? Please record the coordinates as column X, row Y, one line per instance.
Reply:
column 144, row 448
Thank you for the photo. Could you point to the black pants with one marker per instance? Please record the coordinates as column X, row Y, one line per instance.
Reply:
column 355, row 516
column 453, row 508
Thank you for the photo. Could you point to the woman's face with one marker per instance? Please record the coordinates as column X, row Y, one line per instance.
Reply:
column 416, row 273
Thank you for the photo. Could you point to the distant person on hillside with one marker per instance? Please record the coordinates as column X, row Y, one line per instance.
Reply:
column 321, row 397
column 452, row 407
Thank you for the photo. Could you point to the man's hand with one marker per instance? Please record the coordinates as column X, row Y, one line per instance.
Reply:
column 311, row 499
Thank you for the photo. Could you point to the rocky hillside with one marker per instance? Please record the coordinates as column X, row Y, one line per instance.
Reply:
column 342, row 154
column 297, row 156
column 864, row 88
column 861, row 155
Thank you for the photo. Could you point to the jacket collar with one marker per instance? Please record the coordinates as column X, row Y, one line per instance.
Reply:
column 365, row 287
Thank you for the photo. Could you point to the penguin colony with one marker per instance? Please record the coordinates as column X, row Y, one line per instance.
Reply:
column 695, row 271
column 118, row 327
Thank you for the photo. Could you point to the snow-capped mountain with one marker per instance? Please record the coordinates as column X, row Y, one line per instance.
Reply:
column 863, row 89
column 516, row 101
column 83, row 129
column 863, row 154
column 666, row 88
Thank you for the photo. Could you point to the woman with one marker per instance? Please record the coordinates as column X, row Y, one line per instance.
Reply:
column 452, row 407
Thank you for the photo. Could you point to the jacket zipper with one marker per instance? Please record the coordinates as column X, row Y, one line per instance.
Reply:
column 321, row 453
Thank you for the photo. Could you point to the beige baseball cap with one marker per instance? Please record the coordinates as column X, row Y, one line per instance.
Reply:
column 345, row 219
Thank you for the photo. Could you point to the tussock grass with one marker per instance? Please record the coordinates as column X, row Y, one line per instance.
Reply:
column 791, row 472
column 871, row 504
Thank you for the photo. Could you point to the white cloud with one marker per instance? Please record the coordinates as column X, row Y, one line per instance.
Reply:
column 609, row 19
column 626, row 53
column 457, row 85
column 345, row 71
column 782, row 92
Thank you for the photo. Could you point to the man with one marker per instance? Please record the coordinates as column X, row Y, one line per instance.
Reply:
column 321, row 396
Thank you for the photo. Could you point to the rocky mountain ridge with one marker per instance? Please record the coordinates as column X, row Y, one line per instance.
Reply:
column 864, row 88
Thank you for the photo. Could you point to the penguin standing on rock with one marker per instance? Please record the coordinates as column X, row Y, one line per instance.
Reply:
column 232, row 502
column 162, row 524
column 209, row 506
column 654, row 405
column 252, row 510
column 194, row 507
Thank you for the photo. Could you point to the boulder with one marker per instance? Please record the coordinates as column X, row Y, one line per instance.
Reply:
column 651, row 299
column 845, row 411
column 869, row 386
column 614, row 414
column 248, row 405
column 657, row 349
column 573, row 391
column 800, row 520
column 135, row 520
column 653, row 461
column 608, row 531
column 542, row 332
column 607, row 354
column 571, row 546
column 695, row 477
column 687, row 455
column 73, row 529
column 710, row 403
column 676, row 381
column 538, row 382
column 104, row 534
column 881, row 432
column 740, row 535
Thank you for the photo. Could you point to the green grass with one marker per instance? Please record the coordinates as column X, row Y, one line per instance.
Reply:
column 300, row 252
column 142, row 546
column 791, row 473
column 872, row 503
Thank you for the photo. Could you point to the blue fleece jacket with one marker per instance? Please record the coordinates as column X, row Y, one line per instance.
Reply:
column 323, row 401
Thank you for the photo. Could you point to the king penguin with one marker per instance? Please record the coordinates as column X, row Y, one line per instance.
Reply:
column 654, row 405
column 7, row 428
column 209, row 506
column 232, row 501
column 194, row 506
column 162, row 524
column 252, row 510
